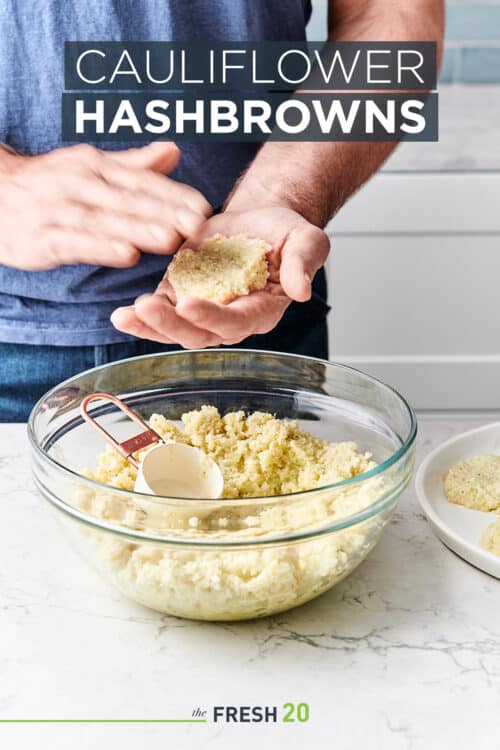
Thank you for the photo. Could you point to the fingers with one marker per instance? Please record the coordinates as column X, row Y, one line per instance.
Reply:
column 146, row 235
column 161, row 156
column 256, row 313
column 157, row 312
column 125, row 319
column 179, row 205
column 126, row 182
column 153, row 317
column 119, row 196
column 63, row 246
column 138, row 206
column 164, row 188
column 304, row 252
column 83, row 205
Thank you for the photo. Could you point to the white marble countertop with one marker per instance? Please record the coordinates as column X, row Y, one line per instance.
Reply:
column 403, row 654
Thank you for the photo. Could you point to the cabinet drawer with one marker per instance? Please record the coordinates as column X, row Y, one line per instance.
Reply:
column 414, row 283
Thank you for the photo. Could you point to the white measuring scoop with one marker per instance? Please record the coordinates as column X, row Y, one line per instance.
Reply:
column 170, row 469
column 179, row 470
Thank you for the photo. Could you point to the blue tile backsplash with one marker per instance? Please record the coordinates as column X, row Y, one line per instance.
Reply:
column 472, row 46
column 473, row 22
column 450, row 65
column 480, row 65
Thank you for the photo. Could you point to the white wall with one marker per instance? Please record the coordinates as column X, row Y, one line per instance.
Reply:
column 415, row 286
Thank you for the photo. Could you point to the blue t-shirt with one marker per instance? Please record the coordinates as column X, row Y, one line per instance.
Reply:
column 71, row 305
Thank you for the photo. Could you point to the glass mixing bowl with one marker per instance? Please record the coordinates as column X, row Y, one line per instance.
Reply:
column 224, row 559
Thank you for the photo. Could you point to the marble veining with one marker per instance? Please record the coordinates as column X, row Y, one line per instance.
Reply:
column 403, row 654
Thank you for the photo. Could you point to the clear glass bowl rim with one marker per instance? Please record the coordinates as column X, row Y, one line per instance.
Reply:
column 342, row 523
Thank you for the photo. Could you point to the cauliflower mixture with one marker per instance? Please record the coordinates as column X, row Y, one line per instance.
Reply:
column 221, row 269
column 475, row 483
column 490, row 540
column 259, row 456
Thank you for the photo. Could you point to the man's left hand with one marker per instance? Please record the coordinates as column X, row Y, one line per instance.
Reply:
column 299, row 249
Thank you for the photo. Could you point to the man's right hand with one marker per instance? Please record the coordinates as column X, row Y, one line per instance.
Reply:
column 83, row 205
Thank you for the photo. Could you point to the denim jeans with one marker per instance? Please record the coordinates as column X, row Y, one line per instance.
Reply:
column 28, row 371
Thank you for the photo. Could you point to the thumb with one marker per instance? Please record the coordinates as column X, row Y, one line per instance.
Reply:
column 304, row 252
column 160, row 156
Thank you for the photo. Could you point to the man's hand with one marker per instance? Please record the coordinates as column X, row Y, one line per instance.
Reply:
column 299, row 249
column 83, row 205
column 288, row 192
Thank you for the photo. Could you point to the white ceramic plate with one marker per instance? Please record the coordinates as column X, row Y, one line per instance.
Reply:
column 459, row 528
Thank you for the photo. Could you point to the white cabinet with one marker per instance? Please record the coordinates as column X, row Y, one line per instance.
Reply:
column 414, row 283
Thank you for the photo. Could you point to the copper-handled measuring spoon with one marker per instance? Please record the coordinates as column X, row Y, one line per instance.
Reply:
column 168, row 469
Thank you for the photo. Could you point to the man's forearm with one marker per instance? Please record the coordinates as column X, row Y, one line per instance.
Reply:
column 315, row 179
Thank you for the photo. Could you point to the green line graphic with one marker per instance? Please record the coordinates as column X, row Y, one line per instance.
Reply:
column 103, row 721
